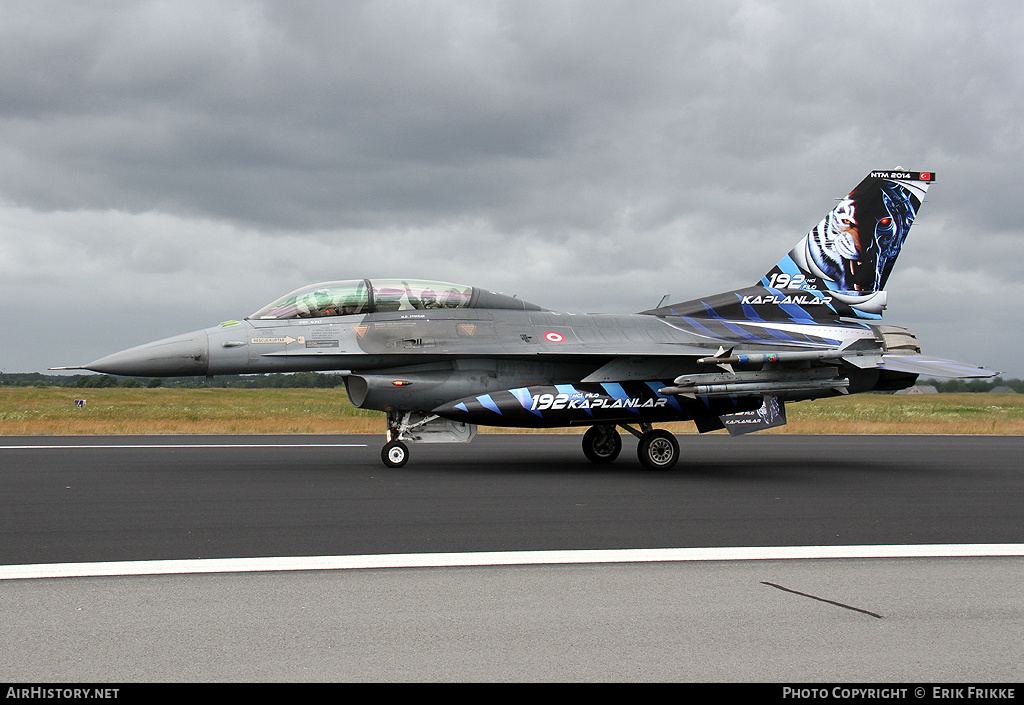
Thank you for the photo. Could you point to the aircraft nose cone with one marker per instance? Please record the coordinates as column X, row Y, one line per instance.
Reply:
column 180, row 356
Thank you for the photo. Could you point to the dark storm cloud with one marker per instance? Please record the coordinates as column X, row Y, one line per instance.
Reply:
column 315, row 115
column 588, row 155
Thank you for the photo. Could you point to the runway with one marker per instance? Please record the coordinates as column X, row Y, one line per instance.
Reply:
column 75, row 500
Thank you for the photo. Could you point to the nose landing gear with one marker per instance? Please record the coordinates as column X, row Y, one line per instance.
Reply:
column 420, row 427
column 395, row 454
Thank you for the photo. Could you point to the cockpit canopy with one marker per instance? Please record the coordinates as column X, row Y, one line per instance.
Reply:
column 360, row 296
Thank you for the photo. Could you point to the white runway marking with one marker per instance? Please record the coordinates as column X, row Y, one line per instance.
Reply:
column 190, row 445
column 499, row 558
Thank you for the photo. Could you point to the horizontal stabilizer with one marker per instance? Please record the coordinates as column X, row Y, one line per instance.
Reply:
column 922, row 365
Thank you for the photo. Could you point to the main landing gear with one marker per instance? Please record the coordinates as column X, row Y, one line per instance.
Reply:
column 657, row 450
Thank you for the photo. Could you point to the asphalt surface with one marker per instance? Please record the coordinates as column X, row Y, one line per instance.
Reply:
column 920, row 620
column 501, row 492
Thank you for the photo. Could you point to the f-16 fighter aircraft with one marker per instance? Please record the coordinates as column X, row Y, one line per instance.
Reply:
column 441, row 358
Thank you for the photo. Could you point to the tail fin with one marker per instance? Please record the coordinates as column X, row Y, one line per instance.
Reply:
column 839, row 269
column 852, row 250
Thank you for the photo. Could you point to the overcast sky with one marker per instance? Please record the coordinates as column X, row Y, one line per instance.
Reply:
column 165, row 166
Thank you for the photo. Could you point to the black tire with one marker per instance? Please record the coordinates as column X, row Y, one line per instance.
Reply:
column 395, row 454
column 602, row 444
column 658, row 450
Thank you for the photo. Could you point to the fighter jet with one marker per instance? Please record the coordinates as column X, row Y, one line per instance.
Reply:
column 440, row 358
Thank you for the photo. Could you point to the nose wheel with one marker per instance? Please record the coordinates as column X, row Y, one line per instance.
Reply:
column 395, row 454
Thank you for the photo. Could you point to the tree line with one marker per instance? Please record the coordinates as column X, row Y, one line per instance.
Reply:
column 951, row 386
column 278, row 380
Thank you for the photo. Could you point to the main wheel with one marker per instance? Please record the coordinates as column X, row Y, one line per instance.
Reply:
column 601, row 444
column 658, row 450
column 395, row 454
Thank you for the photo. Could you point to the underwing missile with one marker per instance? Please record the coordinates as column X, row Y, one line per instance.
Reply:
column 754, row 388
column 796, row 356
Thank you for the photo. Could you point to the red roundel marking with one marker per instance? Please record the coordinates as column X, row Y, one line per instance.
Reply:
column 553, row 337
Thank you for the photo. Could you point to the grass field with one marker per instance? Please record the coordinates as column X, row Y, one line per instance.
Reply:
column 33, row 411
